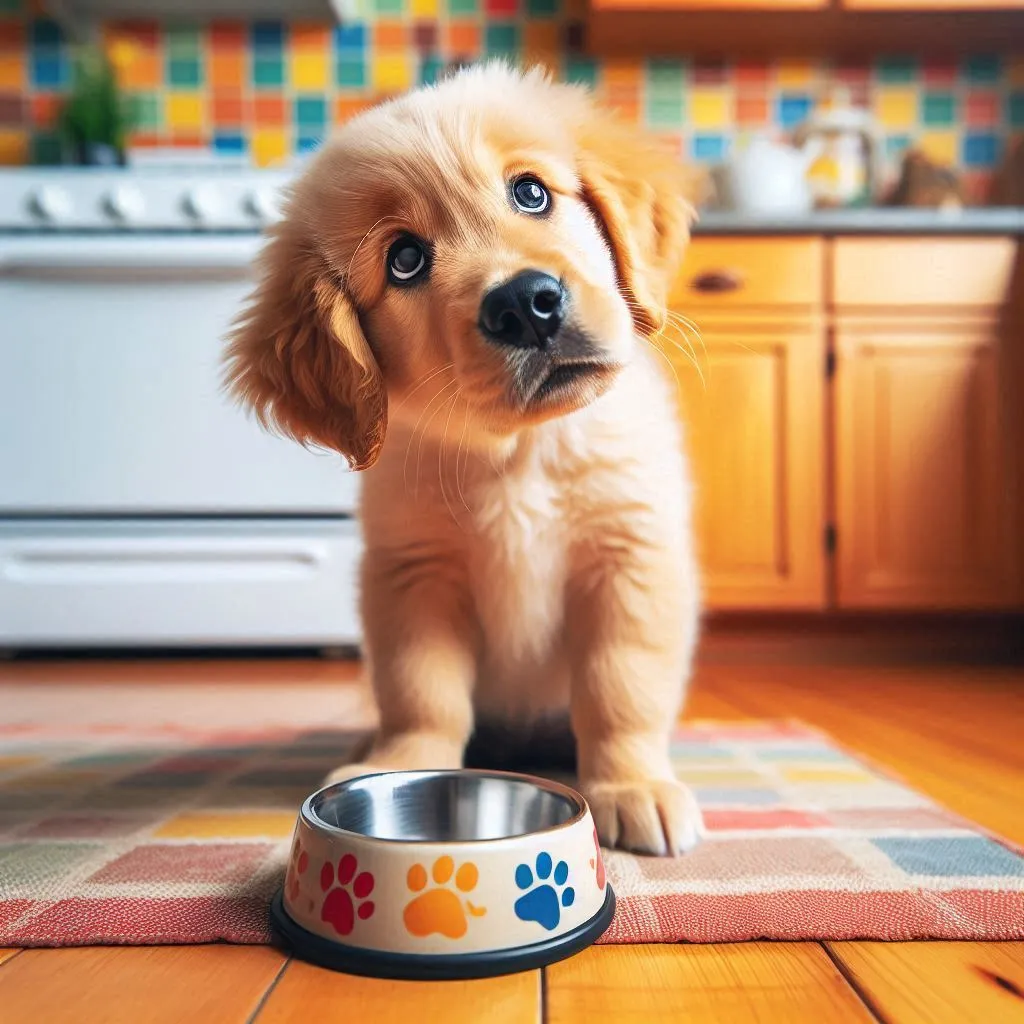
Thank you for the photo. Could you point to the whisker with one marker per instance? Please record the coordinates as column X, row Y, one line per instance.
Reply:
column 424, row 380
column 462, row 437
column 412, row 438
column 423, row 434
column 440, row 457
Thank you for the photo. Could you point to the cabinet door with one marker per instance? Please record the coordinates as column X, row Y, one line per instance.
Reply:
column 754, row 436
column 922, row 478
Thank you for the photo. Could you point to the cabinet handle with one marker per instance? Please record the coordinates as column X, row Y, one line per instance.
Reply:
column 717, row 282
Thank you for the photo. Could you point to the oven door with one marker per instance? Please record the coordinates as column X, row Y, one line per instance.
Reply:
column 110, row 398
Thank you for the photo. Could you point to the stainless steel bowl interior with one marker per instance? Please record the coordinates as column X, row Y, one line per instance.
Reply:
column 452, row 806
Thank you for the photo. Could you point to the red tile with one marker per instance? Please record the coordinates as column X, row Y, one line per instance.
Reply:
column 182, row 863
column 939, row 70
column 749, row 72
column 345, row 108
column 141, row 31
column 45, row 108
column 145, row 140
column 390, row 35
column 227, row 35
column 12, row 34
column 269, row 110
column 502, row 7
column 228, row 108
column 188, row 140
column 981, row 109
column 751, row 110
column 309, row 35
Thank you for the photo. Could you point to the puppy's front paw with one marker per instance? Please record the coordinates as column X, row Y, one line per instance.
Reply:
column 651, row 816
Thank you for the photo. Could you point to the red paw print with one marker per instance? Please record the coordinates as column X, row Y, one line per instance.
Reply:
column 300, row 861
column 597, row 863
column 339, row 909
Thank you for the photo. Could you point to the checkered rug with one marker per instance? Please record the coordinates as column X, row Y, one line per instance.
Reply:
column 168, row 835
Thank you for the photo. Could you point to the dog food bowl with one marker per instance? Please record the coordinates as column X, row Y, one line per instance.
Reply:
column 442, row 874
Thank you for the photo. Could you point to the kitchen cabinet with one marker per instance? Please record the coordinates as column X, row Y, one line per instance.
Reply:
column 924, row 456
column 708, row 5
column 752, row 402
column 852, row 408
column 932, row 5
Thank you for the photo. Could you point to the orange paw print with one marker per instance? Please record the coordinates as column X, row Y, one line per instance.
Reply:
column 439, row 910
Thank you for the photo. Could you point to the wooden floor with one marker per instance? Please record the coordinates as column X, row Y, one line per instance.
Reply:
column 954, row 732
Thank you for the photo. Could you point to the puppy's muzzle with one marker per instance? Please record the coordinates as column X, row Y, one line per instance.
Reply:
column 525, row 311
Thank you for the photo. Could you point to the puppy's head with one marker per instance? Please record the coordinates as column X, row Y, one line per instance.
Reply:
column 495, row 241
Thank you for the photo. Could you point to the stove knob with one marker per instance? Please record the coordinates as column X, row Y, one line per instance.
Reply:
column 263, row 205
column 203, row 203
column 125, row 204
column 51, row 204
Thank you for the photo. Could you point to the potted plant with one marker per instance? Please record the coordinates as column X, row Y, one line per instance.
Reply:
column 95, row 119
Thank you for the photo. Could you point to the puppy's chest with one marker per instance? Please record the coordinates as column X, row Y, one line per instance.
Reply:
column 518, row 566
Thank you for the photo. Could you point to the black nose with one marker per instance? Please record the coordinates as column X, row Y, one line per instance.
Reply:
column 525, row 311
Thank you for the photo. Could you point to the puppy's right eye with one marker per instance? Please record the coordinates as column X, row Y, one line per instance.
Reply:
column 407, row 260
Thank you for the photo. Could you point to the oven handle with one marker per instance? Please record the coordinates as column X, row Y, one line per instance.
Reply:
column 32, row 256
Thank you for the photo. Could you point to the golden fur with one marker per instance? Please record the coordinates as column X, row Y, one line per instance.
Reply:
column 524, row 554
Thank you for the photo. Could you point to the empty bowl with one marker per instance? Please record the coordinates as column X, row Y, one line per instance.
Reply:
column 443, row 874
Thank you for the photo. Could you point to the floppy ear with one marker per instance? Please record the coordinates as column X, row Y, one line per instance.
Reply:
column 298, row 358
column 642, row 197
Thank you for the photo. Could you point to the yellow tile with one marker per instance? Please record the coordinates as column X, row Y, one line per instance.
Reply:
column 226, row 825
column 794, row 74
column 827, row 775
column 708, row 108
column 184, row 110
column 269, row 146
column 392, row 72
column 309, row 69
column 12, row 70
column 940, row 146
column 423, row 8
column 896, row 108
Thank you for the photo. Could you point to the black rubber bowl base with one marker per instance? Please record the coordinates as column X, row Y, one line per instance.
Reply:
column 441, row 967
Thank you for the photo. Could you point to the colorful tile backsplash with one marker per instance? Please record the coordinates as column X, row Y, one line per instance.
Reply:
column 266, row 91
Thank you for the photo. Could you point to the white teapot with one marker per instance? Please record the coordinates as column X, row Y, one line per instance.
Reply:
column 766, row 178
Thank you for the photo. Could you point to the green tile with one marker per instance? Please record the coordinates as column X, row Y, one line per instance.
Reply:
column 182, row 40
column 47, row 149
column 938, row 109
column 267, row 72
column 460, row 7
column 145, row 108
column 983, row 68
column 665, row 77
column 184, row 71
column 664, row 113
column 582, row 70
column 389, row 6
column 896, row 70
column 350, row 72
column 1015, row 109
column 501, row 39
column 10, row 6
column 542, row 8
column 430, row 70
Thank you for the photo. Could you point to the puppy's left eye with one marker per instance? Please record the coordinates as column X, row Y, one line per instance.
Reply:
column 407, row 260
column 529, row 195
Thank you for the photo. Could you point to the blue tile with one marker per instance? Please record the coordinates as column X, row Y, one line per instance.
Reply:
column 981, row 149
column 268, row 35
column 308, row 143
column 793, row 109
column 228, row 145
column 984, row 68
column 311, row 111
column 581, row 71
column 350, row 37
column 50, row 71
column 708, row 148
column 46, row 32
column 896, row 144
column 951, row 857
column 733, row 796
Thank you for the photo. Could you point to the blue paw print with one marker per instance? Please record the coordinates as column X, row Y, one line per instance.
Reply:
column 542, row 902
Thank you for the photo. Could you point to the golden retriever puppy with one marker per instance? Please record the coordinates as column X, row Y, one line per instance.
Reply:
column 459, row 300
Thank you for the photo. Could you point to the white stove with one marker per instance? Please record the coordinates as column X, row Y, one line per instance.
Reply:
column 138, row 506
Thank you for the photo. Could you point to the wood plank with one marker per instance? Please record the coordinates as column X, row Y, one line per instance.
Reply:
column 7, row 954
column 137, row 984
column 789, row 982
column 939, row 982
column 306, row 993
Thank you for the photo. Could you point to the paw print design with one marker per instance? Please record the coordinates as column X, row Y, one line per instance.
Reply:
column 542, row 901
column 597, row 862
column 346, row 900
column 299, row 864
column 439, row 910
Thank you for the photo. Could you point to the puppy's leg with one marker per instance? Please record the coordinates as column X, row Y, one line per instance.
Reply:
column 633, row 612
column 421, row 639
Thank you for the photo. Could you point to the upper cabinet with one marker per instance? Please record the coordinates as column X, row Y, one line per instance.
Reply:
column 708, row 5
column 932, row 5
